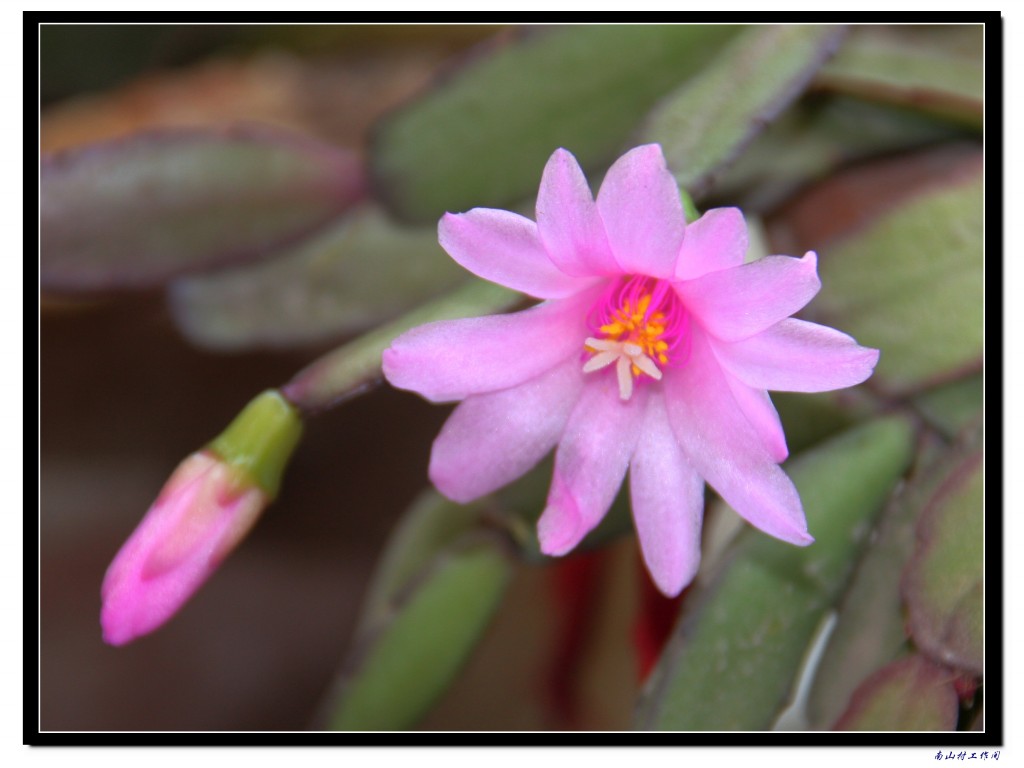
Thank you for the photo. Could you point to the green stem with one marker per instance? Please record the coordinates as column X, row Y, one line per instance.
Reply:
column 261, row 439
column 353, row 367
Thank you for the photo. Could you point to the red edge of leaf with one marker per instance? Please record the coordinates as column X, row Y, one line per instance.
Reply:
column 918, row 671
column 916, row 622
column 349, row 185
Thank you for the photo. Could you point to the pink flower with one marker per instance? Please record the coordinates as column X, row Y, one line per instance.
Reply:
column 202, row 513
column 652, row 351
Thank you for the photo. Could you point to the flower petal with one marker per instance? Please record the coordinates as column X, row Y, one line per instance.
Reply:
column 757, row 406
column 492, row 439
column 451, row 359
column 798, row 356
column 568, row 222
column 591, row 462
column 726, row 450
column 200, row 516
column 668, row 503
column 642, row 213
column 717, row 240
column 504, row 247
column 734, row 304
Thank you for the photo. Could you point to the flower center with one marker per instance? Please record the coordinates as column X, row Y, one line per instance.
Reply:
column 640, row 325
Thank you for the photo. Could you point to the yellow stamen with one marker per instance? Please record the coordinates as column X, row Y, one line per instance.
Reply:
column 631, row 338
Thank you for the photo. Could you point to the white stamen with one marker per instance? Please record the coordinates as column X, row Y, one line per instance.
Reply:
column 625, row 377
column 645, row 364
column 600, row 360
column 625, row 355
column 603, row 345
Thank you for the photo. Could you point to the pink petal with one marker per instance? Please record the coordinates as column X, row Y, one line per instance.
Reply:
column 797, row 356
column 668, row 503
column 591, row 462
column 568, row 222
column 451, row 359
column 715, row 241
column 492, row 439
column 726, row 450
column 504, row 247
column 642, row 212
column 199, row 517
column 757, row 406
column 734, row 304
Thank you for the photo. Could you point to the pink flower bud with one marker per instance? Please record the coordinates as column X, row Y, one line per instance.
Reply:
column 204, row 510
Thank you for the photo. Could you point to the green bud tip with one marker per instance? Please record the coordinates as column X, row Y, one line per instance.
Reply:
column 260, row 440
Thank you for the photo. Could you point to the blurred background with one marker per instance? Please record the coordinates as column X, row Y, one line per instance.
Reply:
column 125, row 396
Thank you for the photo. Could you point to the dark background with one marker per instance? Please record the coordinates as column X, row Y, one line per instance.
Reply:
column 124, row 398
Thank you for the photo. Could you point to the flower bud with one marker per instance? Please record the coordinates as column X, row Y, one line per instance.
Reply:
column 207, row 506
